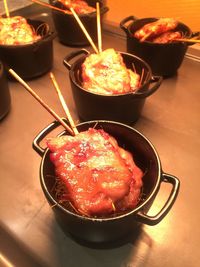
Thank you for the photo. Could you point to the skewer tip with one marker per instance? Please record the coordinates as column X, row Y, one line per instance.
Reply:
column 51, row 75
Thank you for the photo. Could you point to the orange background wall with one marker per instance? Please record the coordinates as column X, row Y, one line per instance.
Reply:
column 186, row 11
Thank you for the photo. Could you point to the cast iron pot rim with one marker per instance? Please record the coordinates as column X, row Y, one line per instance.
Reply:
column 37, row 42
column 156, row 44
column 136, row 93
column 124, row 215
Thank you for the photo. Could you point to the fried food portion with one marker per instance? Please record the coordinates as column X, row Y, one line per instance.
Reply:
column 152, row 30
column 105, row 73
column 80, row 6
column 16, row 31
column 167, row 37
column 100, row 177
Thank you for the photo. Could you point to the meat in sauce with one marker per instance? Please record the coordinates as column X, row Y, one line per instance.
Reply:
column 106, row 73
column 159, row 31
column 100, row 177
column 80, row 6
column 167, row 37
column 16, row 31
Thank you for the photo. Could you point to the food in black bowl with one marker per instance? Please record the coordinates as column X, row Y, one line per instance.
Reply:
column 26, row 46
column 156, row 41
column 5, row 99
column 102, row 220
column 110, row 85
column 68, row 30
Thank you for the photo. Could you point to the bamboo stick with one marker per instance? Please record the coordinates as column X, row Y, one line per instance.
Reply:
column 63, row 103
column 99, row 28
column 50, row 6
column 28, row 88
column 6, row 8
column 187, row 40
column 75, row 16
column 84, row 30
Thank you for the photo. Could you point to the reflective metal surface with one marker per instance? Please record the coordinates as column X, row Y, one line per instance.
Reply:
column 170, row 119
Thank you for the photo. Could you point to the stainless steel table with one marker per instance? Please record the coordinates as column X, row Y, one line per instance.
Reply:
column 29, row 234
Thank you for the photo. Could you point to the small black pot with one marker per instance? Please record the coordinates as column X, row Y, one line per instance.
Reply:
column 115, row 227
column 5, row 99
column 29, row 60
column 68, row 30
column 164, row 59
column 124, row 108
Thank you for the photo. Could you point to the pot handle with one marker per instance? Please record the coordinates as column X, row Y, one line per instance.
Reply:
column 104, row 9
column 194, row 34
column 37, row 140
column 124, row 21
column 48, row 37
column 152, row 220
column 72, row 55
column 155, row 83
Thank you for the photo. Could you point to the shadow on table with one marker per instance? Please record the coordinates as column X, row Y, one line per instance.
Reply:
column 131, row 251
column 15, row 252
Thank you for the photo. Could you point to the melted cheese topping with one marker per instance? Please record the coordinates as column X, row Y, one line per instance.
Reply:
column 16, row 31
column 105, row 73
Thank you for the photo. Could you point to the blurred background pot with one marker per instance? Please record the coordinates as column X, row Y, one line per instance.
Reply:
column 116, row 226
column 5, row 99
column 32, row 59
column 124, row 108
column 164, row 59
column 68, row 30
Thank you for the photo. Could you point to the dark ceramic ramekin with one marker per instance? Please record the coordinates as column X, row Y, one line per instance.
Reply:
column 69, row 31
column 124, row 108
column 32, row 59
column 114, row 227
column 164, row 59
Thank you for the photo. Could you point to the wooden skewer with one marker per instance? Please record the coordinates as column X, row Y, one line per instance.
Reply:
column 175, row 40
column 64, row 105
column 99, row 27
column 28, row 88
column 84, row 30
column 50, row 6
column 141, row 77
column 6, row 8
column 187, row 40
column 75, row 16
column 134, row 68
column 145, row 37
